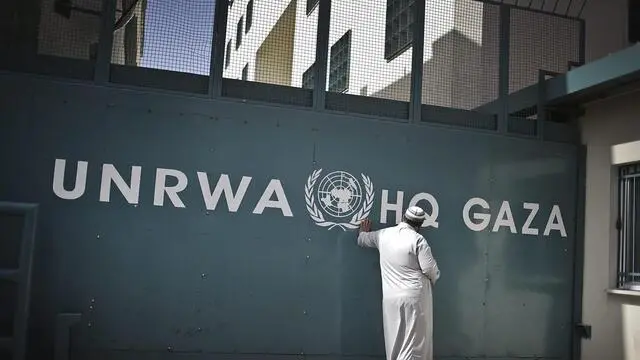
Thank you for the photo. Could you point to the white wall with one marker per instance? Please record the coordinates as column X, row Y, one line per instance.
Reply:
column 615, row 318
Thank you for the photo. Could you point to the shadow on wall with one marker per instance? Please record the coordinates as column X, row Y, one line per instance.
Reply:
column 453, row 77
column 19, row 21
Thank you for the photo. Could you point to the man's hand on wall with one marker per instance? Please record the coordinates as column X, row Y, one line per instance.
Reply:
column 365, row 225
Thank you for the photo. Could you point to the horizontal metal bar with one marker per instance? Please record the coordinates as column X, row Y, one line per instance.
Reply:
column 10, row 274
column 6, row 343
column 539, row 11
column 14, row 207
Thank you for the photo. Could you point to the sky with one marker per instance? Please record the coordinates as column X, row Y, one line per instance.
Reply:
column 178, row 35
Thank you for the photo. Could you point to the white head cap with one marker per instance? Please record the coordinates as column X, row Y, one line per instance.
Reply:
column 415, row 213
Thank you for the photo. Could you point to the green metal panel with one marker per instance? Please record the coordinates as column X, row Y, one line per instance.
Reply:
column 157, row 281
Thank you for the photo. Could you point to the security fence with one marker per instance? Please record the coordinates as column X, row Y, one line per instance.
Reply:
column 405, row 59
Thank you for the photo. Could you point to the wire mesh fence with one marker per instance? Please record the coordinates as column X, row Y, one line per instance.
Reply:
column 540, row 42
column 62, row 28
column 370, row 47
column 461, row 53
column 370, row 42
column 271, row 42
column 171, row 35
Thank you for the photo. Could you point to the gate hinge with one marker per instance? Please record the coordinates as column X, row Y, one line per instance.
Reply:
column 584, row 331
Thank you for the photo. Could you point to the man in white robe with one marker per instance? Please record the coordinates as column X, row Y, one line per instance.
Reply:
column 408, row 272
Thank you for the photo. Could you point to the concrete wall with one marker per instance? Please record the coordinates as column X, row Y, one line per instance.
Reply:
column 615, row 318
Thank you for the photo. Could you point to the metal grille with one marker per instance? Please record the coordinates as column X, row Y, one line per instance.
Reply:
column 339, row 63
column 245, row 72
column 249, row 16
column 628, row 231
column 239, row 33
column 398, row 28
column 168, row 35
column 311, row 4
column 461, row 54
column 307, row 78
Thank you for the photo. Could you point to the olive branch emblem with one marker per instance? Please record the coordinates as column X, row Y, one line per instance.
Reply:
column 317, row 216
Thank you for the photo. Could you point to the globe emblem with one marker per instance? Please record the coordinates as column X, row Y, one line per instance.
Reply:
column 339, row 194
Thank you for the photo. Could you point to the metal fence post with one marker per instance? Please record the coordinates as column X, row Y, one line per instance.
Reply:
column 541, row 108
column 101, row 73
column 503, row 86
column 582, row 46
column 218, row 47
column 322, row 55
column 417, row 62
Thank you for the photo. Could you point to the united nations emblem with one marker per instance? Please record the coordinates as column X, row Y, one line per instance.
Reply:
column 339, row 196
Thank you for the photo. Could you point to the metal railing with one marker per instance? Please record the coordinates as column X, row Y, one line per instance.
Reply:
column 627, row 226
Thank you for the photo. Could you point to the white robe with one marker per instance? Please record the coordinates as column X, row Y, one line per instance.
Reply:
column 408, row 271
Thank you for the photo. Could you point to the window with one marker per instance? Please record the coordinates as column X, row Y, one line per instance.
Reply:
column 634, row 21
column 307, row 78
column 227, row 59
column 239, row 33
column 311, row 4
column 249, row 16
column 245, row 72
column 628, row 229
column 340, row 60
column 398, row 32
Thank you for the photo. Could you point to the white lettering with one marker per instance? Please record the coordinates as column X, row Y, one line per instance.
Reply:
column 172, row 191
column 431, row 219
column 526, row 228
column 386, row 206
column 110, row 174
column 505, row 218
column 58, row 180
column 223, row 185
column 483, row 217
column 555, row 222
column 274, row 187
